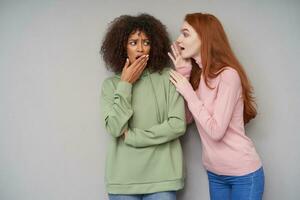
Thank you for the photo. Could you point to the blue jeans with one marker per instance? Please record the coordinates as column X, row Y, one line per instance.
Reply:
column 170, row 195
column 247, row 187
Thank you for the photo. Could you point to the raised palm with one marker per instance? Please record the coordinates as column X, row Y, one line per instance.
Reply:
column 178, row 61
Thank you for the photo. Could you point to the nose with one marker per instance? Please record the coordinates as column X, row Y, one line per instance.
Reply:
column 140, row 47
column 179, row 39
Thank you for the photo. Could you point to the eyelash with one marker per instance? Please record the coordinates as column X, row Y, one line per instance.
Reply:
column 146, row 43
column 185, row 34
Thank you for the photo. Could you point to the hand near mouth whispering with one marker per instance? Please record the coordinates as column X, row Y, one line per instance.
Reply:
column 132, row 72
column 182, row 65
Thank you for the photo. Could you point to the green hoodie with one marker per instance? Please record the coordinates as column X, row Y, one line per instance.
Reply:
column 149, row 159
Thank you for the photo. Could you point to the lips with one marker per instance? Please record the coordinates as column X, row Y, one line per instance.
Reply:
column 138, row 57
column 181, row 48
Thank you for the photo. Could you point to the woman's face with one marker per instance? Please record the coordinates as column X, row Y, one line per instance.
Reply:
column 189, row 41
column 138, row 44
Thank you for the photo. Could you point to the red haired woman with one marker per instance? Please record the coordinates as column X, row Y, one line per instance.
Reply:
column 219, row 99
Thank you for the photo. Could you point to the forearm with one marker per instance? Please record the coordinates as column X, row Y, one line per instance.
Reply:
column 117, row 109
column 188, row 115
column 156, row 135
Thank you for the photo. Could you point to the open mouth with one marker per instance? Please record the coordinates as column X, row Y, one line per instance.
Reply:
column 137, row 57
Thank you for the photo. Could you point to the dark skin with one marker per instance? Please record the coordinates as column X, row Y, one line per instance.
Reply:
column 132, row 72
column 138, row 48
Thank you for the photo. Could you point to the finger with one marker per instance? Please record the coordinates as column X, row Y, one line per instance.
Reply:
column 176, row 47
column 172, row 81
column 174, row 77
column 145, row 63
column 142, row 64
column 178, row 75
column 172, row 58
column 139, row 69
column 126, row 63
column 139, row 60
column 179, row 78
column 175, row 74
column 174, row 51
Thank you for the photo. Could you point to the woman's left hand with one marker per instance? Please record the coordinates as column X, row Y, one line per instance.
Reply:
column 182, row 85
column 124, row 135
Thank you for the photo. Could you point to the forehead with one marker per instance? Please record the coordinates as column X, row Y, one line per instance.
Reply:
column 138, row 34
column 186, row 27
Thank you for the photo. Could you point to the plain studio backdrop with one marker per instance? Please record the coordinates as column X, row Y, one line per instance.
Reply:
column 52, row 139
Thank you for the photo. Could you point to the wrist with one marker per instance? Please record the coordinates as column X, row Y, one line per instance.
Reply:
column 187, row 91
column 125, row 79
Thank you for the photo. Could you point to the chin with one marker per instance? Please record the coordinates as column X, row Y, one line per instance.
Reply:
column 131, row 60
column 185, row 56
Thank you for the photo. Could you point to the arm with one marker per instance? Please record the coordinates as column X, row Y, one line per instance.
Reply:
column 186, row 72
column 188, row 115
column 216, row 123
column 116, row 106
column 184, row 67
column 116, row 102
column 170, row 129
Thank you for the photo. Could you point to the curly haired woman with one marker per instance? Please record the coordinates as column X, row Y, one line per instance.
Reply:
column 142, row 112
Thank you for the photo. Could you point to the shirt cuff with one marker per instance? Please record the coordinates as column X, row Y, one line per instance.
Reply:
column 124, row 89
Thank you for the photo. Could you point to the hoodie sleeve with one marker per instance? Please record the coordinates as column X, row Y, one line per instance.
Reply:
column 172, row 128
column 116, row 106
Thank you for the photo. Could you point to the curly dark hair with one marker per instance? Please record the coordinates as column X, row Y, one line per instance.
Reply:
column 113, row 49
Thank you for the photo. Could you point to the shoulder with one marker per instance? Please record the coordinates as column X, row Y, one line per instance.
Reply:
column 110, row 82
column 162, row 79
column 164, row 74
column 230, row 76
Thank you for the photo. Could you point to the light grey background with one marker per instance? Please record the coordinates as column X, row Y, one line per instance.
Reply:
column 52, row 142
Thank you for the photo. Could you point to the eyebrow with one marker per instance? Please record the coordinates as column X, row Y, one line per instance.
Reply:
column 138, row 39
column 184, row 29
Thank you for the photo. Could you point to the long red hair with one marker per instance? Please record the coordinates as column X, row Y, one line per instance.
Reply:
column 216, row 54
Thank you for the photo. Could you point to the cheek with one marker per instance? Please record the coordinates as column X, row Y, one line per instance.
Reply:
column 195, row 46
column 147, row 49
column 130, row 52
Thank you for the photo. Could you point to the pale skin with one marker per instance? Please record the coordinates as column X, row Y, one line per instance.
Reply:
column 177, row 58
column 178, row 61
column 186, row 47
column 138, row 48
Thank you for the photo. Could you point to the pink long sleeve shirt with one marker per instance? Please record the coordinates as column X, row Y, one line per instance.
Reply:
column 218, row 114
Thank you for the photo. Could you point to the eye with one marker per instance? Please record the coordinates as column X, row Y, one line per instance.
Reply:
column 146, row 43
column 132, row 43
column 185, row 34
